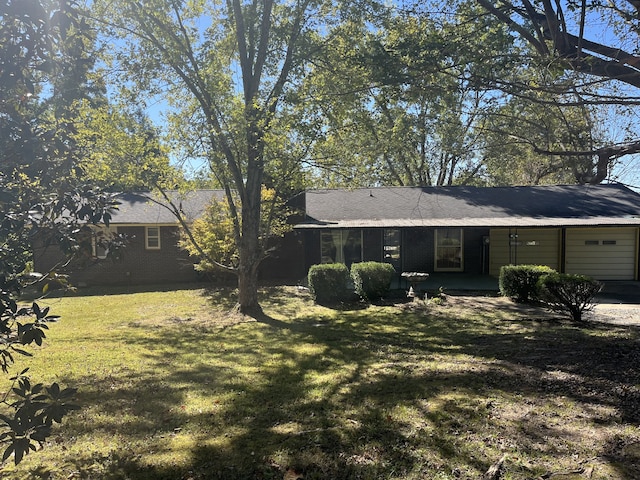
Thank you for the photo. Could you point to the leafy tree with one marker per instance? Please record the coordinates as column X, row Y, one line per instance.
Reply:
column 400, row 104
column 210, row 237
column 227, row 68
column 527, row 143
column 43, row 67
column 121, row 150
column 576, row 68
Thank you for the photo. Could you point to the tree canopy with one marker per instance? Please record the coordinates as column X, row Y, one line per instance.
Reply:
column 227, row 70
column 586, row 53
column 284, row 95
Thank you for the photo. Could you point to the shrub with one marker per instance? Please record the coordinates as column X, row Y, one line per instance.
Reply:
column 372, row 280
column 519, row 282
column 568, row 293
column 328, row 282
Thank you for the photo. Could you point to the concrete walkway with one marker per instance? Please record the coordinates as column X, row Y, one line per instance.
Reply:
column 455, row 282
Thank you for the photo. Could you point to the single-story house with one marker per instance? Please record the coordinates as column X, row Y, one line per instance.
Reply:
column 151, row 254
column 585, row 229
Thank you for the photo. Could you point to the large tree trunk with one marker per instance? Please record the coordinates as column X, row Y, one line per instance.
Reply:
column 248, row 288
column 250, row 255
column 249, row 248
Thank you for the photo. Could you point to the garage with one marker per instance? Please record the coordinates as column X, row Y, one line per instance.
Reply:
column 602, row 253
column 524, row 246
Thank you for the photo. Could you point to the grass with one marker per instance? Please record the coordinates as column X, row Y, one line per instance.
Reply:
column 173, row 386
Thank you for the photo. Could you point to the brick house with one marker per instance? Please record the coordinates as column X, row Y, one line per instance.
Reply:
column 587, row 229
column 151, row 255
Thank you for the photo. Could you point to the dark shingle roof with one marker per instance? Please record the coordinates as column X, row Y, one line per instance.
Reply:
column 459, row 206
column 148, row 208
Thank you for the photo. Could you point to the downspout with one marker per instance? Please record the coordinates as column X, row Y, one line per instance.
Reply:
column 563, row 249
column 635, row 274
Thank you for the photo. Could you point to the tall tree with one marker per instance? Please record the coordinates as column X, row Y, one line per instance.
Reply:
column 227, row 66
column 526, row 143
column 400, row 104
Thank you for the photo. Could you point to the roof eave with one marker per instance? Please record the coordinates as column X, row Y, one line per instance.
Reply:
column 498, row 222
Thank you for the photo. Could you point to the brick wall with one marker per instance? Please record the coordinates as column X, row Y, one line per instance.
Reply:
column 135, row 266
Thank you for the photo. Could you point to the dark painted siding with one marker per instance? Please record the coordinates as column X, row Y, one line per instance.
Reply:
column 311, row 241
column 417, row 250
column 372, row 245
column 286, row 261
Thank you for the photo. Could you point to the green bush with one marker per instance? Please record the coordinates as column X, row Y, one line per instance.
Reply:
column 328, row 282
column 568, row 293
column 372, row 280
column 519, row 282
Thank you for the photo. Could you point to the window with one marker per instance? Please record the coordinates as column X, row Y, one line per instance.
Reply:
column 391, row 248
column 100, row 238
column 152, row 238
column 341, row 246
column 448, row 245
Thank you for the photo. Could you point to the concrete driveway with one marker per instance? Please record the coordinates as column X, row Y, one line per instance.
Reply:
column 619, row 291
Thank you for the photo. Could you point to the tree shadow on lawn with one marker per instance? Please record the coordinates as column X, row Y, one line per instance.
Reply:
column 355, row 398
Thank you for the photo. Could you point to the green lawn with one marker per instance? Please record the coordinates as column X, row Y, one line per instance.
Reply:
column 173, row 386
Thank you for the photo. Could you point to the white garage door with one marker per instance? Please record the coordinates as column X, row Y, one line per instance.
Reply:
column 602, row 253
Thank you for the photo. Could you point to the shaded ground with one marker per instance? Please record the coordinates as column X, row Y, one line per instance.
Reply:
column 615, row 313
column 406, row 390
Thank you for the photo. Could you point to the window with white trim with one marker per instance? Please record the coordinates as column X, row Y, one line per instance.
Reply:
column 152, row 238
column 449, row 250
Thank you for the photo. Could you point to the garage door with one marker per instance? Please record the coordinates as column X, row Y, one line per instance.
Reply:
column 602, row 253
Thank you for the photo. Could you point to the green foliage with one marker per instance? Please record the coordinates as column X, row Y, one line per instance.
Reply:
column 121, row 150
column 226, row 70
column 211, row 238
column 519, row 282
column 328, row 282
column 410, row 108
column 569, row 293
column 43, row 72
column 372, row 280
column 536, row 126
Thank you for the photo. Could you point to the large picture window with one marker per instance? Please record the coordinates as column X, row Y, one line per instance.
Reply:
column 341, row 246
column 449, row 250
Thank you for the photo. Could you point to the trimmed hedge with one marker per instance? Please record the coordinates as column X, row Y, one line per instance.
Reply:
column 568, row 293
column 520, row 282
column 372, row 280
column 328, row 282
